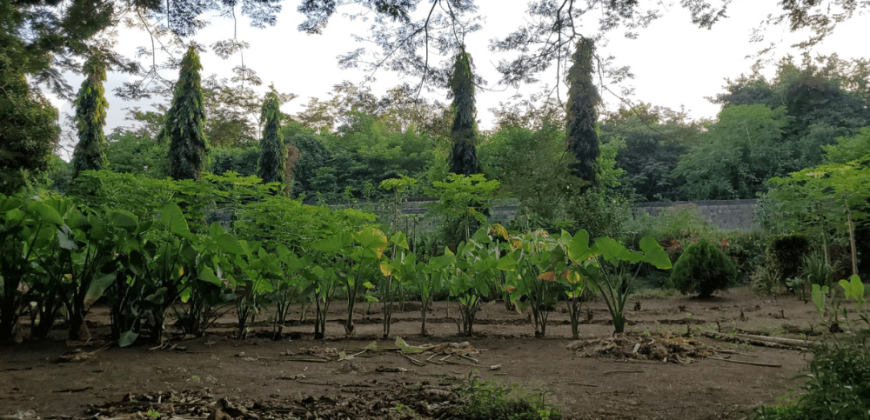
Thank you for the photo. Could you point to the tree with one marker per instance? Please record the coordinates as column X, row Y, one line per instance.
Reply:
column 463, row 158
column 581, row 133
column 270, row 167
column 90, row 119
column 185, row 122
column 28, row 128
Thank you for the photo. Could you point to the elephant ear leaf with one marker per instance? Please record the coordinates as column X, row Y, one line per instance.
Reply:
column 654, row 254
column 127, row 338
column 174, row 220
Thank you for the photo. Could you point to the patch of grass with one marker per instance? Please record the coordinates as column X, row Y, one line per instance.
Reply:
column 661, row 294
column 487, row 400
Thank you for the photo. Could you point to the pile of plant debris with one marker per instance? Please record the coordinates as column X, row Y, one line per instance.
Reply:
column 666, row 347
column 393, row 401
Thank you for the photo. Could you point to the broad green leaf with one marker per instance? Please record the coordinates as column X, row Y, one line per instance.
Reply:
column 230, row 244
column 386, row 269
column 174, row 220
column 9, row 203
column 654, row 254
column 372, row 239
column 854, row 289
column 578, row 248
column 123, row 219
column 46, row 213
column 64, row 240
column 127, row 338
column 207, row 275
column 334, row 243
column 98, row 287
column 157, row 296
column 508, row 262
column 614, row 252
column 400, row 240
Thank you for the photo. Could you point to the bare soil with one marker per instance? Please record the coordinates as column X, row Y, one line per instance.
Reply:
column 262, row 378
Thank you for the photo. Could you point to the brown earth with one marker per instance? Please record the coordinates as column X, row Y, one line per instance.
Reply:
column 117, row 382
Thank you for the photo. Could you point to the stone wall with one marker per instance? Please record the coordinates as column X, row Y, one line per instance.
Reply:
column 726, row 214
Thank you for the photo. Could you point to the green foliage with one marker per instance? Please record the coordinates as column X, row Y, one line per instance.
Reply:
column 272, row 150
column 463, row 204
column 607, row 265
column 484, row 400
column 91, row 106
column 242, row 161
column 785, row 254
column 703, row 269
column 463, row 158
column 739, row 153
column 185, row 122
column 581, row 131
column 655, row 139
column 28, row 124
column 837, row 380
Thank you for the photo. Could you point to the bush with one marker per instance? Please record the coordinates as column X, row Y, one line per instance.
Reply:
column 837, row 386
column 785, row 254
column 489, row 401
column 703, row 269
column 747, row 251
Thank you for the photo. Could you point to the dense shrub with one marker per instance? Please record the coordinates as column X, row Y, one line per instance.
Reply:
column 747, row 252
column 837, row 386
column 785, row 254
column 703, row 269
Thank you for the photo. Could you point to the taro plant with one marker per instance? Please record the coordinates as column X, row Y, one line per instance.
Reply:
column 573, row 286
column 400, row 268
column 476, row 262
column 608, row 266
column 260, row 271
column 355, row 257
column 533, row 264
column 430, row 279
column 325, row 283
column 292, row 287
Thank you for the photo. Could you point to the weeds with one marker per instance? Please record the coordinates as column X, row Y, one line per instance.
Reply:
column 486, row 400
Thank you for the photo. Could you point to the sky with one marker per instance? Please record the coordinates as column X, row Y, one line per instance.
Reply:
column 675, row 63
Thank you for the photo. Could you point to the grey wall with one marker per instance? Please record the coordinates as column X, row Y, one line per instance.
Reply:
column 726, row 214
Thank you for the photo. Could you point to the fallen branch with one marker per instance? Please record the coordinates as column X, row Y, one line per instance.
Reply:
column 746, row 363
column 622, row 371
column 779, row 340
column 413, row 360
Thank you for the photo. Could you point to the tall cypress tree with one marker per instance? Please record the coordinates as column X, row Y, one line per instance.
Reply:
column 91, row 106
column 270, row 167
column 463, row 158
column 582, row 138
column 185, row 121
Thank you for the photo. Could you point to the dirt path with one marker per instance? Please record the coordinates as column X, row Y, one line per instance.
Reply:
column 583, row 387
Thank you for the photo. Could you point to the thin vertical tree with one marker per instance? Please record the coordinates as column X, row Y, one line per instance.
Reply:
column 185, row 122
column 463, row 158
column 583, row 98
column 273, row 154
column 90, row 118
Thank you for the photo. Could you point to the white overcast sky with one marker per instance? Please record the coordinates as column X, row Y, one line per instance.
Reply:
column 675, row 63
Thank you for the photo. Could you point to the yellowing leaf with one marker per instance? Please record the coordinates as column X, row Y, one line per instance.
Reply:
column 548, row 276
column 386, row 270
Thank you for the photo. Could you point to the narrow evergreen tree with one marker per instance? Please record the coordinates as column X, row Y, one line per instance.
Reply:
column 463, row 158
column 582, row 138
column 185, row 121
column 270, row 167
column 91, row 106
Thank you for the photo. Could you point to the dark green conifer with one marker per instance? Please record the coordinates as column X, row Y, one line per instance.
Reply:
column 270, row 167
column 185, row 121
column 91, row 106
column 463, row 158
column 582, row 137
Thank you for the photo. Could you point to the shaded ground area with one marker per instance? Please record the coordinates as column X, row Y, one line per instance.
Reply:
column 303, row 378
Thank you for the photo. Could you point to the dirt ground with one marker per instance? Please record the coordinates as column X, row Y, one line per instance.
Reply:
column 273, row 379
